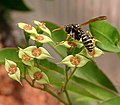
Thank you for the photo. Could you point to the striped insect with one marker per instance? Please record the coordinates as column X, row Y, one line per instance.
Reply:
column 75, row 31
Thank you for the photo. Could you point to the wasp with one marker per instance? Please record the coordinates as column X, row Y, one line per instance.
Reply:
column 75, row 31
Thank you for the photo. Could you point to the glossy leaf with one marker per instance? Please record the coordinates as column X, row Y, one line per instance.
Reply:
column 107, row 36
column 113, row 101
column 92, row 73
column 77, row 85
column 18, row 5
column 78, row 99
column 9, row 53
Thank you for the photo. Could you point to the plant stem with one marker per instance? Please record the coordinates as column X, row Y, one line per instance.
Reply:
column 47, row 90
column 67, row 80
column 53, row 94
column 68, row 98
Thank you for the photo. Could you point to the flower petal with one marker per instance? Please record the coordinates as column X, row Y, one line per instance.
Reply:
column 42, row 26
column 26, row 59
column 41, row 38
column 65, row 44
column 43, row 80
column 44, row 54
column 98, row 52
column 8, row 63
column 16, row 76
column 27, row 28
column 75, row 61
column 67, row 62
column 13, row 72
column 83, row 60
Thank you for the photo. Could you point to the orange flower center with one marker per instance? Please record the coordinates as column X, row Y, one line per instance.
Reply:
column 25, row 57
column 12, row 69
column 39, row 38
column 38, row 75
column 72, row 44
column 36, row 52
column 27, row 27
column 42, row 25
column 75, row 60
column 92, row 53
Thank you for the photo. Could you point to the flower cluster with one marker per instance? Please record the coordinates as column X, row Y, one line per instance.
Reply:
column 34, row 35
column 31, row 54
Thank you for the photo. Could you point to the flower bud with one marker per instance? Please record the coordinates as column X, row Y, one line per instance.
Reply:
column 38, row 53
column 75, row 61
column 26, row 59
column 42, row 26
column 27, row 28
column 95, row 53
column 13, row 70
column 36, row 74
column 41, row 38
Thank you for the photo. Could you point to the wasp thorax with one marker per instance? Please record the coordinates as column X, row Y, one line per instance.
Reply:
column 27, row 27
column 39, row 38
column 75, row 60
column 25, row 57
column 12, row 69
column 38, row 75
column 36, row 52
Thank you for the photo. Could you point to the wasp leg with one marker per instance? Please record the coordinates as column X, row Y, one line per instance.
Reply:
column 61, row 27
column 68, row 37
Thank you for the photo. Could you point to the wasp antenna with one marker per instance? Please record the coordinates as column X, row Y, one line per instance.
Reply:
column 94, row 20
column 61, row 27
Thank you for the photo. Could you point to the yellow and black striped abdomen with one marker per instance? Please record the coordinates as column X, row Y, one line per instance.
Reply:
column 88, row 42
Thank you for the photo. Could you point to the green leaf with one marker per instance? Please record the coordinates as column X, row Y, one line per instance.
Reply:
column 112, row 101
column 107, row 36
column 81, row 100
column 9, row 53
column 95, row 89
column 57, row 36
column 76, row 85
column 18, row 5
column 92, row 73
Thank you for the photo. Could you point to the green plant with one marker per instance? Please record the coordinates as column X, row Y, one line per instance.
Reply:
column 79, row 81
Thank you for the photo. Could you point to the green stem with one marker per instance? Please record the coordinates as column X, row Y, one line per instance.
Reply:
column 68, row 98
column 56, row 96
column 33, row 82
column 47, row 90
column 67, row 79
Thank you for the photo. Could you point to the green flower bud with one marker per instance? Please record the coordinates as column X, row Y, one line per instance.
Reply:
column 41, row 38
column 36, row 74
column 38, row 53
column 27, row 28
column 12, row 70
column 26, row 59
column 67, row 44
column 95, row 53
column 42, row 26
column 75, row 61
